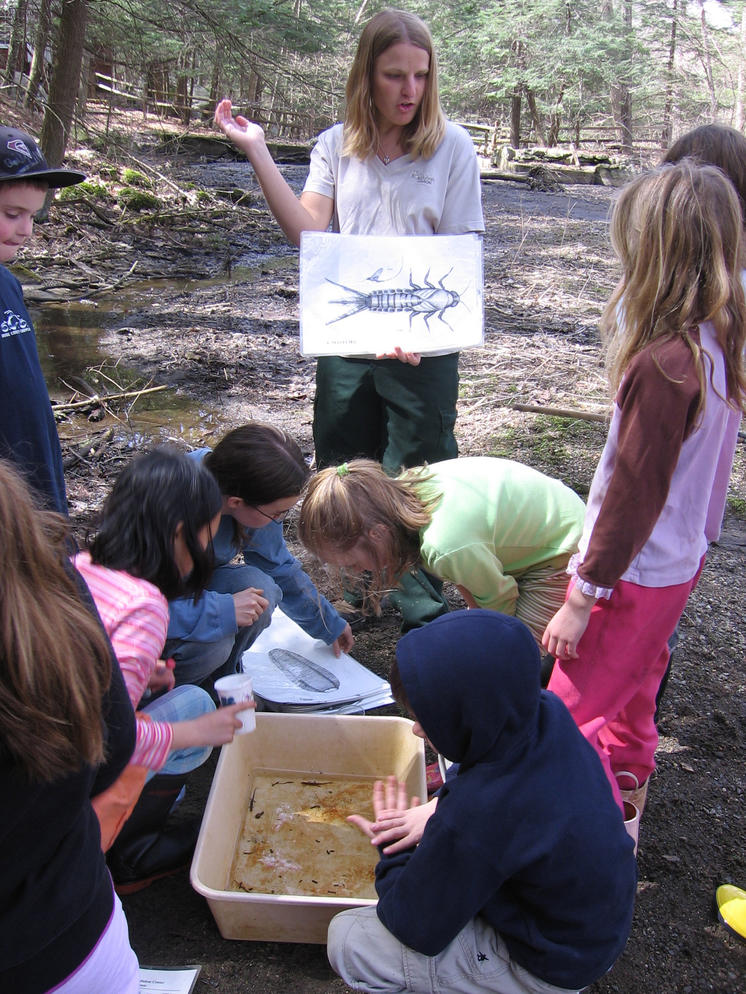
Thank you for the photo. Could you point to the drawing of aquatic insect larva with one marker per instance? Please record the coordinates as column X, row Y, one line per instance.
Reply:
column 427, row 301
column 303, row 672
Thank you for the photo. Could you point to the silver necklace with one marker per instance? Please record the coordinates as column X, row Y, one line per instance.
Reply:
column 384, row 157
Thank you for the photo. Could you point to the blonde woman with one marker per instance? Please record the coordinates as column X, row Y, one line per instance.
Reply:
column 395, row 167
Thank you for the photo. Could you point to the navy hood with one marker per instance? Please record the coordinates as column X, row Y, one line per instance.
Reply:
column 472, row 680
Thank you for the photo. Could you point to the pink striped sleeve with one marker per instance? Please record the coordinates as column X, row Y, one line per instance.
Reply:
column 153, row 743
column 138, row 641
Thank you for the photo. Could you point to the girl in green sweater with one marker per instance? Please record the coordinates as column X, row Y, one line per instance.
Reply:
column 502, row 532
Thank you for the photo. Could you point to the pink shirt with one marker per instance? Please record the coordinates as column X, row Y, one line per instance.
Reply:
column 135, row 616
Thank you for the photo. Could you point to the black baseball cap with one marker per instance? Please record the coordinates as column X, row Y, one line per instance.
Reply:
column 21, row 158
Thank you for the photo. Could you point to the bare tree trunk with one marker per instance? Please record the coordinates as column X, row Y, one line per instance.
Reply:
column 535, row 116
column 707, row 65
column 17, row 44
column 515, row 119
column 63, row 89
column 217, row 69
column 36, row 74
column 741, row 73
column 621, row 100
column 667, row 131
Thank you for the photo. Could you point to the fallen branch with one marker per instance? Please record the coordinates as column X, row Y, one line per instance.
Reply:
column 90, row 447
column 98, row 399
column 561, row 412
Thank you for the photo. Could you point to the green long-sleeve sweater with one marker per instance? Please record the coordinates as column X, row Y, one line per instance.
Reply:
column 497, row 521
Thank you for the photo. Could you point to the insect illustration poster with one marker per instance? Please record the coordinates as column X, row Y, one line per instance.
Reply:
column 366, row 295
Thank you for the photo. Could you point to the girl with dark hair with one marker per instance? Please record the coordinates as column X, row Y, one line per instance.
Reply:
column 261, row 473
column 396, row 166
column 66, row 729
column 153, row 543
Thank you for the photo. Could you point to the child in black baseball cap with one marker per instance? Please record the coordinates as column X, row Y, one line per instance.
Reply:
column 28, row 435
column 21, row 159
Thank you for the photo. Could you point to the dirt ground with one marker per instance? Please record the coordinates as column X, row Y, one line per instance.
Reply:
column 228, row 344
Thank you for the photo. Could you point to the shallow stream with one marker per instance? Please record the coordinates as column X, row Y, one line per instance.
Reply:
column 70, row 335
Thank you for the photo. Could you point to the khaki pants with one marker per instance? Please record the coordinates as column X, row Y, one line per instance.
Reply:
column 368, row 958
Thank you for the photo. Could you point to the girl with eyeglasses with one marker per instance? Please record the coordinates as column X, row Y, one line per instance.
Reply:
column 261, row 473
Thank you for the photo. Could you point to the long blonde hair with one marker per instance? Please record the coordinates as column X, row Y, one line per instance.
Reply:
column 54, row 657
column 345, row 503
column 426, row 131
column 678, row 234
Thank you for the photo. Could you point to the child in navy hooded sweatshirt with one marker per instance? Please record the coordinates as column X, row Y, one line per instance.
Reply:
column 524, row 877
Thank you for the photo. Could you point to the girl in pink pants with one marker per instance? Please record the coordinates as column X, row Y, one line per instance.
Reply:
column 675, row 329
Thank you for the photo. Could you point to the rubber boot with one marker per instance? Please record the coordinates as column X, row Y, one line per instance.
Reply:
column 419, row 598
column 148, row 848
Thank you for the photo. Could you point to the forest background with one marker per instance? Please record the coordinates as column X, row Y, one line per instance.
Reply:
column 628, row 74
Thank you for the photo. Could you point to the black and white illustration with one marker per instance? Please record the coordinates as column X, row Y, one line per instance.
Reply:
column 290, row 671
column 366, row 295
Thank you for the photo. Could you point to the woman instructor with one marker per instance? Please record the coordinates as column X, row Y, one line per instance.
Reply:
column 395, row 167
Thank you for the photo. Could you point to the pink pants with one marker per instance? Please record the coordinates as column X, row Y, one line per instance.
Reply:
column 610, row 688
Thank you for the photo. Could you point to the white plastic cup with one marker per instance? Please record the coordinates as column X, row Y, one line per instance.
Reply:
column 232, row 690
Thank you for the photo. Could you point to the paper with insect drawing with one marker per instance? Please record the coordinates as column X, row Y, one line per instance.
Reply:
column 292, row 671
column 366, row 294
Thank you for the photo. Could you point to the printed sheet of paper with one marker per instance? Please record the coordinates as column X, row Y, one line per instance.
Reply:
column 365, row 295
column 295, row 672
column 168, row 979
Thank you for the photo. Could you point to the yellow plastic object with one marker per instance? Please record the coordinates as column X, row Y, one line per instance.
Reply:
column 731, row 905
column 337, row 746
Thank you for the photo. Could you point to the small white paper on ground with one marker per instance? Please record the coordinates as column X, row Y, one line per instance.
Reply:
column 168, row 979
column 292, row 671
column 365, row 294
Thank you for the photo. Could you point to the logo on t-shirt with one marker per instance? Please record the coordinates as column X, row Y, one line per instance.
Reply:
column 419, row 177
column 13, row 324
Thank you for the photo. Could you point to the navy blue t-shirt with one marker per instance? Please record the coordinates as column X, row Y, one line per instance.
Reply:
column 28, row 434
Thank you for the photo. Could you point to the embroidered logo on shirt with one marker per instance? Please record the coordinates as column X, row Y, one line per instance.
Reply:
column 13, row 324
column 419, row 177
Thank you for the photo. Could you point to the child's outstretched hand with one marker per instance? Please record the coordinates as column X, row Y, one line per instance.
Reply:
column 215, row 728
column 565, row 630
column 398, row 820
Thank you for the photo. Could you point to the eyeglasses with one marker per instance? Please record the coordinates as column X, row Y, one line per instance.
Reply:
column 279, row 516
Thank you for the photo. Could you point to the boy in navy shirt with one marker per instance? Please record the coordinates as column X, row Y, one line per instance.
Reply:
column 28, row 434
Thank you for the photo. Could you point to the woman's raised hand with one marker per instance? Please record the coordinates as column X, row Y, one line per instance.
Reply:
column 239, row 130
column 310, row 212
